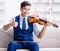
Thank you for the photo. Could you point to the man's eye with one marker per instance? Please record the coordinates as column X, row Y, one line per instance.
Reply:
column 24, row 8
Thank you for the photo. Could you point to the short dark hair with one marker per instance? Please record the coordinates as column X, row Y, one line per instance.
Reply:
column 25, row 3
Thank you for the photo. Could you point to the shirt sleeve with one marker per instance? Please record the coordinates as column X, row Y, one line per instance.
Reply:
column 37, row 28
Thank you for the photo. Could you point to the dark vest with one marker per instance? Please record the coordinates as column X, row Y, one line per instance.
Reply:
column 23, row 35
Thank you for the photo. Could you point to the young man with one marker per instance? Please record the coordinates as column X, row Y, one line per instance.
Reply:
column 23, row 37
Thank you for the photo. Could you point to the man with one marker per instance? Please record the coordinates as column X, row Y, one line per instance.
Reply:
column 23, row 37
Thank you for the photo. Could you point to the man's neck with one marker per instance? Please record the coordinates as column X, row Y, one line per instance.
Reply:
column 23, row 15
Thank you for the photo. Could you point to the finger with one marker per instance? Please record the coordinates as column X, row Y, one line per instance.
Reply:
column 13, row 20
column 44, row 18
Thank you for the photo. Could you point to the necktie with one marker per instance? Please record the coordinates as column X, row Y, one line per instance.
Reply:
column 23, row 24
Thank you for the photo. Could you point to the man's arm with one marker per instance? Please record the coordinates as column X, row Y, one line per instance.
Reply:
column 6, row 27
column 13, row 24
column 42, row 32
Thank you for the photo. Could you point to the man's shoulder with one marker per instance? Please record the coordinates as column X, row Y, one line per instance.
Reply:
column 17, row 16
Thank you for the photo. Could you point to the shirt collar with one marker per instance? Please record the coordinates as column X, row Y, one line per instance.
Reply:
column 21, row 17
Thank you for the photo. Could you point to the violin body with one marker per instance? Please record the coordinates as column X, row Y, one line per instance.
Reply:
column 34, row 18
column 40, row 21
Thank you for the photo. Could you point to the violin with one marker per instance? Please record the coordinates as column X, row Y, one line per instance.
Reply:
column 33, row 18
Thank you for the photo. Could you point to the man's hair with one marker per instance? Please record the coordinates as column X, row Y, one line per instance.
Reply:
column 25, row 3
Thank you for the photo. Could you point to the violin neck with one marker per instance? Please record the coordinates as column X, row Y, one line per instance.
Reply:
column 55, row 25
column 43, row 20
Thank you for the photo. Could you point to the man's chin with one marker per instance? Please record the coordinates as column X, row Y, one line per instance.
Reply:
column 26, row 15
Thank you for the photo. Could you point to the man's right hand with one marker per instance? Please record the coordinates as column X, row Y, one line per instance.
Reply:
column 13, row 24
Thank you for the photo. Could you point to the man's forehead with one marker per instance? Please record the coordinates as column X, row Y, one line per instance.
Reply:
column 27, row 7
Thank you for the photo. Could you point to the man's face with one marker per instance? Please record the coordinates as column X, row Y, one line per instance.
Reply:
column 25, row 10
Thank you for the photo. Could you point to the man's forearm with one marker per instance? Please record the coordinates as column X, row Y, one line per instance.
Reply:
column 42, row 32
column 6, row 27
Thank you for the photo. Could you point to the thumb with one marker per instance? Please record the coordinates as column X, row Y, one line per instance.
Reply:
column 12, row 23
